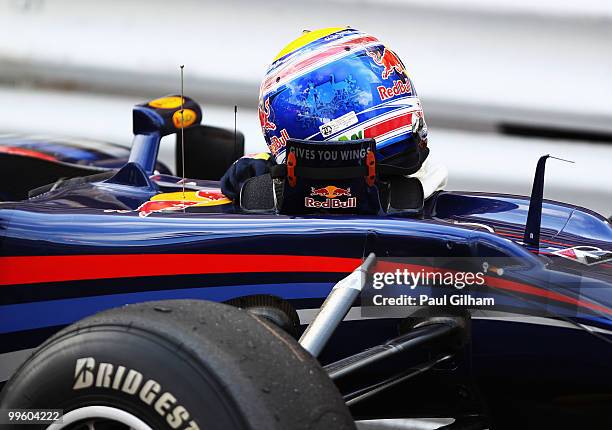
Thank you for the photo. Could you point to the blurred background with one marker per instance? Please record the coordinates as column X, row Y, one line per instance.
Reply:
column 502, row 82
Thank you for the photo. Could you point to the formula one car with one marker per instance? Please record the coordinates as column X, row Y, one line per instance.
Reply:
column 219, row 293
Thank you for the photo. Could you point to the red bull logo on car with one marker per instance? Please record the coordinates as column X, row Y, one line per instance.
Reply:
column 332, row 201
column 178, row 201
column 389, row 61
column 150, row 207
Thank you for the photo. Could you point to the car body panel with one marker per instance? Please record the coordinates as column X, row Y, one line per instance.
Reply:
column 72, row 251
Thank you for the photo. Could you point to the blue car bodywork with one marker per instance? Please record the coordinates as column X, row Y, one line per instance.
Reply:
column 76, row 250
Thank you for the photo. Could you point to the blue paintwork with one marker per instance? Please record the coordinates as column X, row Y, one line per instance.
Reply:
column 102, row 218
column 145, row 151
column 82, row 152
column 76, row 221
column 35, row 315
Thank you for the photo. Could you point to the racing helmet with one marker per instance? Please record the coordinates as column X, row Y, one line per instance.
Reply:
column 343, row 84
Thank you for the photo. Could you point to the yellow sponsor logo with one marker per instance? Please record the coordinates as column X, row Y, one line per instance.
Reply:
column 188, row 118
column 171, row 102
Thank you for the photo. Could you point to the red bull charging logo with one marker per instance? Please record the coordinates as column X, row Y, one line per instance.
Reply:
column 264, row 117
column 177, row 201
column 331, row 194
column 389, row 61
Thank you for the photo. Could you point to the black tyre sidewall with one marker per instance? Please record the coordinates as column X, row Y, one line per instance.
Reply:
column 224, row 367
column 49, row 380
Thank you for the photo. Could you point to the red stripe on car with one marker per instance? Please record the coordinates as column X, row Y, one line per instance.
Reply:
column 26, row 153
column 37, row 269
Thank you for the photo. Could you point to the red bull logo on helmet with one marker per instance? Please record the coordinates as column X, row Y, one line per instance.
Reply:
column 389, row 61
column 277, row 144
column 398, row 88
column 264, row 117
column 332, row 201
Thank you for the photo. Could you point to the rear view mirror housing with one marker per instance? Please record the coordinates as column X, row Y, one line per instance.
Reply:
column 209, row 151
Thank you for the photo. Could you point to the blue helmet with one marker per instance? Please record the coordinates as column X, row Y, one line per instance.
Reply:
column 341, row 84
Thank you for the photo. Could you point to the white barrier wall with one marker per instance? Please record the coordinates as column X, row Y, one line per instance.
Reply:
column 544, row 62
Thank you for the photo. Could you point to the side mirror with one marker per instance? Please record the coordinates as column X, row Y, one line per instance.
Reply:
column 209, row 151
column 163, row 115
column 157, row 118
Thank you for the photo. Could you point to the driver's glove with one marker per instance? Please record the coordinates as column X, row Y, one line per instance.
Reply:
column 243, row 169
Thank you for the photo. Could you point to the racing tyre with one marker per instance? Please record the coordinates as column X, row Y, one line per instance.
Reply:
column 177, row 365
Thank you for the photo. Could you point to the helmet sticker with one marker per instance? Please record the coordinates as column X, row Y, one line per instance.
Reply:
column 405, row 118
column 338, row 124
